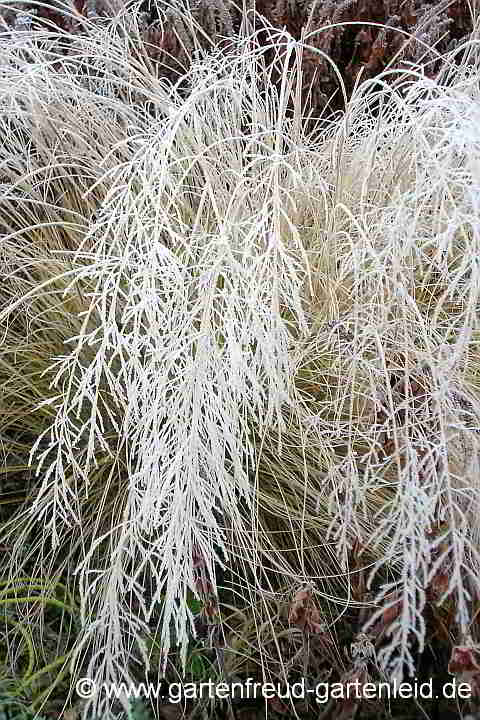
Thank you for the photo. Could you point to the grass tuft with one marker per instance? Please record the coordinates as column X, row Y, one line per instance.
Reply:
column 240, row 358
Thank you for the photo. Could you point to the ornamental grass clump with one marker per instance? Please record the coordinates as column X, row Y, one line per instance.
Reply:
column 239, row 361
column 151, row 293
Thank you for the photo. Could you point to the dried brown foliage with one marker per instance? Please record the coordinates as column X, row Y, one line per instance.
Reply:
column 304, row 613
column 411, row 28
